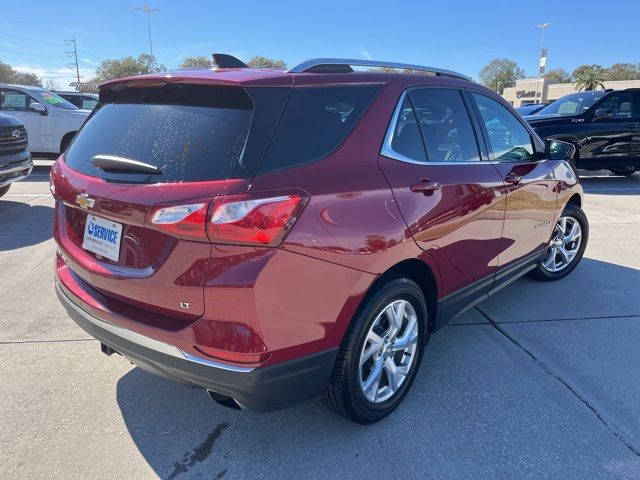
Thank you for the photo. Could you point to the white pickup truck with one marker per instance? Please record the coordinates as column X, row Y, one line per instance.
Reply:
column 50, row 120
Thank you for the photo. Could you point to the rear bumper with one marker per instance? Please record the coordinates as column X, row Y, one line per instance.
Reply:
column 14, row 167
column 261, row 389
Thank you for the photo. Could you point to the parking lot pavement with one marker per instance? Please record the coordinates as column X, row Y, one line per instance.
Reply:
column 539, row 381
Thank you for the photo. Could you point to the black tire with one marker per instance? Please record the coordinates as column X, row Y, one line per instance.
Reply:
column 344, row 394
column 4, row 190
column 542, row 273
column 623, row 171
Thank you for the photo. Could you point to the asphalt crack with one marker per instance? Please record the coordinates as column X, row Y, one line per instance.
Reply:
column 546, row 320
column 609, row 425
column 199, row 454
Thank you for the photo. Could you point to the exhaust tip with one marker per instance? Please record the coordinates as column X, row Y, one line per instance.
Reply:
column 224, row 400
column 107, row 350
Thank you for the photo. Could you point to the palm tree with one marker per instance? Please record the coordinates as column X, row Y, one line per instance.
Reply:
column 589, row 77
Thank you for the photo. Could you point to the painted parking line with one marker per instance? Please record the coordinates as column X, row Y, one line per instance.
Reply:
column 27, row 195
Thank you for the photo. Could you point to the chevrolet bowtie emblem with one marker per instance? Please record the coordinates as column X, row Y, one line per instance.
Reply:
column 85, row 201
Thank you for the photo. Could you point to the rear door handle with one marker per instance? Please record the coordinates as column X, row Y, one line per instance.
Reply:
column 513, row 178
column 425, row 186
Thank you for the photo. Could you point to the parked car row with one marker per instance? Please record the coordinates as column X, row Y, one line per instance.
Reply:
column 39, row 119
column 50, row 120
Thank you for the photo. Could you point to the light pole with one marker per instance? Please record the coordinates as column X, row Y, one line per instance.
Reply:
column 148, row 10
column 498, row 87
column 543, row 27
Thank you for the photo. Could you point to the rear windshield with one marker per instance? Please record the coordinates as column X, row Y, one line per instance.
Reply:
column 314, row 123
column 191, row 133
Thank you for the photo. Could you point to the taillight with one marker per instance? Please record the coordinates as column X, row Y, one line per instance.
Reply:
column 182, row 220
column 261, row 221
column 233, row 219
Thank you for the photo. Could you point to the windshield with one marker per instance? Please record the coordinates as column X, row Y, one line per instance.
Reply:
column 49, row 98
column 572, row 104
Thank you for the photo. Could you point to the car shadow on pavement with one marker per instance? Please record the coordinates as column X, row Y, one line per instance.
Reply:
column 23, row 224
column 38, row 174
column 595, row 289
column 480, row 408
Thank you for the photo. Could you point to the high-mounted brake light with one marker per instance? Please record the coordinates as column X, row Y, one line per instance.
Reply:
column 258, row 221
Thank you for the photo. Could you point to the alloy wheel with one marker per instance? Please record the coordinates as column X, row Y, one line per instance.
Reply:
column 564, row 245
column 389, row 351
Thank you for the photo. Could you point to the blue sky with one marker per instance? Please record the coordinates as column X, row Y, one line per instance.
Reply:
column 458, row 35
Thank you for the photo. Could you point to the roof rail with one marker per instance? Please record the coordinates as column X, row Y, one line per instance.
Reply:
column 319, row 65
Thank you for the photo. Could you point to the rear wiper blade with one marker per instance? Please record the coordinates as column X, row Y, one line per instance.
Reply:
column 112, row 162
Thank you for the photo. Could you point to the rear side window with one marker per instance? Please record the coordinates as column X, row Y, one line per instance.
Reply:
column 191, row 133
column 510, row 141
column 315, row 121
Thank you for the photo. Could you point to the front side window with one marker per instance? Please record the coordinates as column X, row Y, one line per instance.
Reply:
column 620, row 105
column 509, row 140
column 445, row 125
column 14, row 100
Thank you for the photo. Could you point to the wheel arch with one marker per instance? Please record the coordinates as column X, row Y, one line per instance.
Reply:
column 418, row 271
column 576, row 200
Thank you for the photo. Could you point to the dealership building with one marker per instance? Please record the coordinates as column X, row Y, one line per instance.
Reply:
column 549, row 89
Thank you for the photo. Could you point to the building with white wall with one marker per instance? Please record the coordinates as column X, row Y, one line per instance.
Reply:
column 549, row 89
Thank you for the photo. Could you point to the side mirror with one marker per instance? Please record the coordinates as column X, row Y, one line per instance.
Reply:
column 559, row 150
column 38, row 108
column 602, row 113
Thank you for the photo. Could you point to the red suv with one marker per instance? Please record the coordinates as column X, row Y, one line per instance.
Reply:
column 276, row 236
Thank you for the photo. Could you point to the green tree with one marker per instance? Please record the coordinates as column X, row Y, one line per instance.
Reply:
column 198, row 61
column 258, row 61
column 623, row 71
column 500, row 73
column 560, row 73
column 9, row 75
column 127, row 67
column 589, row 77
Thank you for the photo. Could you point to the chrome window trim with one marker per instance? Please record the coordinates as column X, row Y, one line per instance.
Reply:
column 388, row 151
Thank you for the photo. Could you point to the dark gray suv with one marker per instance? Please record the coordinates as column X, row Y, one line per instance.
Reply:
column 15, row 160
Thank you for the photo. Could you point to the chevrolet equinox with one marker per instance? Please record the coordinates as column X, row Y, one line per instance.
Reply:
column 277, row 236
